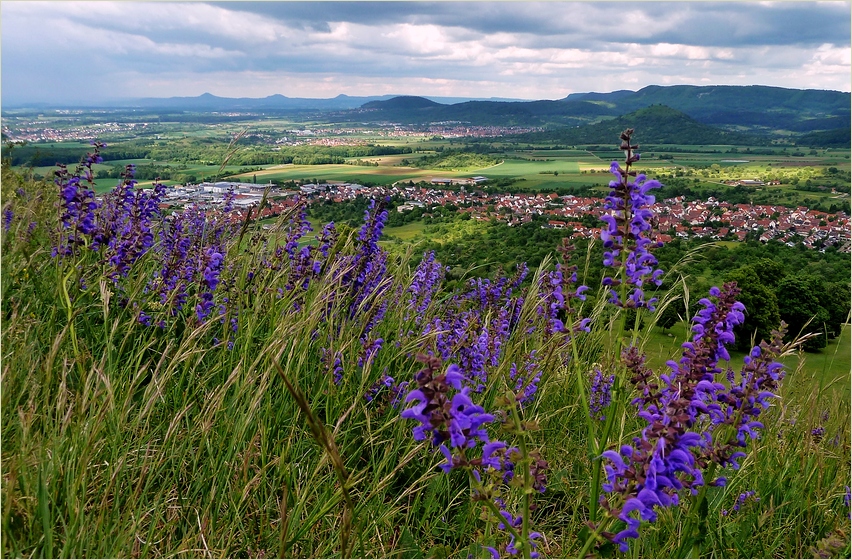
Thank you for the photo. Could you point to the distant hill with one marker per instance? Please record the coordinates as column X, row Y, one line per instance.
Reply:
column 837, row 138
column 769, row 112
column 756, row 106
column 208, row 102
column 658, row 125
column 482, row 113
column 594, row 96
column 277, row 102
column 756, row 110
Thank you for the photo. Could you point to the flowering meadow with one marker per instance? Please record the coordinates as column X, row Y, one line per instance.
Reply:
column 187, row 385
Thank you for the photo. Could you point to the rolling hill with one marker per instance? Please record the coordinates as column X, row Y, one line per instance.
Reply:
column 659, row 125
column 757, row 110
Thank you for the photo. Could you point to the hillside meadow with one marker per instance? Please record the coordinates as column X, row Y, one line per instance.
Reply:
column 188, row 386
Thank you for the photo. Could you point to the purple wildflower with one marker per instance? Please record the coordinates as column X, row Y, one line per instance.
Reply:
column 455, row 420
column 600, row 395
column 625, row 234
column 8, row 216
column 126, row 225
column 743, row 403
column 670, row 454
column 77, row 202
column 526, row 383
column 385, row 381
column 228, row 201
column 365, row 275
column 212, row 267
column 370, row 348
column 297, row 227
column 741, row 500
column 511, row 547
column 386, row 390
column 333, row 366
column 425, row 282
column 176, row 270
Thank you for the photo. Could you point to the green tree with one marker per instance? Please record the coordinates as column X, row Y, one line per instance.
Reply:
column 761, row 303
column 835, row 298
column 769, row 271
column 799, row 306
column 669, row 317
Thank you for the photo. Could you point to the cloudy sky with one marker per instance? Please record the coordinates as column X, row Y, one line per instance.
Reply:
column 70, row 52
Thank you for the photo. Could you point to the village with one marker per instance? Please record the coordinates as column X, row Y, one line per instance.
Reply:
column 676, row 218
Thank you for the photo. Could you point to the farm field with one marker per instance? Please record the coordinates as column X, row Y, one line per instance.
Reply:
column 704, row 168
column 340, row 172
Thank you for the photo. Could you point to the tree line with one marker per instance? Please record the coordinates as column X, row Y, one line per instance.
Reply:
column 197, row 151
column 794, row 284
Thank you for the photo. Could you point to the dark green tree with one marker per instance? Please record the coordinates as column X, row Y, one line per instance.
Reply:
column 835, row 298
column 669, row 317
column 675, row 311
column 761, row 303
column 769, row 271
column 799, row 306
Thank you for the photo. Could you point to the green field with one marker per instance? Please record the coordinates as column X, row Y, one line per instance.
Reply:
column 828, row 368
column 533, row 168
column 341, row 172
column 407, row 232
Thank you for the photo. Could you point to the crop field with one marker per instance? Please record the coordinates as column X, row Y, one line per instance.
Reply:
column 340, row 172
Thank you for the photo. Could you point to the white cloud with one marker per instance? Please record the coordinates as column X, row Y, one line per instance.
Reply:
column 479, row 48
column 159, row 17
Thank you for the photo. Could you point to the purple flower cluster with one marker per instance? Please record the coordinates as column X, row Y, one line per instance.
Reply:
column 369, row 349
column 457, row 426
column 475, row 326
column 176, row 272
column 687, row 417
column 559, row 289
column 447, row 419
column 526, row 382
column 126, row 225
column 425, row 282
column 361, row 276
column 511, row 548
column 78, row 204
column 600, row 394
column 387, row 387
column 367, row 274
column 334, row 366
column 741, row 500
column 625, row 234
column 747, row 399
column 8, row 217
column 302, row 265
column 187, row 249
column 211, row 266
column 326, row 239
column 385, row 381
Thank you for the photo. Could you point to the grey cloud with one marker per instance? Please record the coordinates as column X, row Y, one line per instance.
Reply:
column 769, row 42
column 693, row 23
